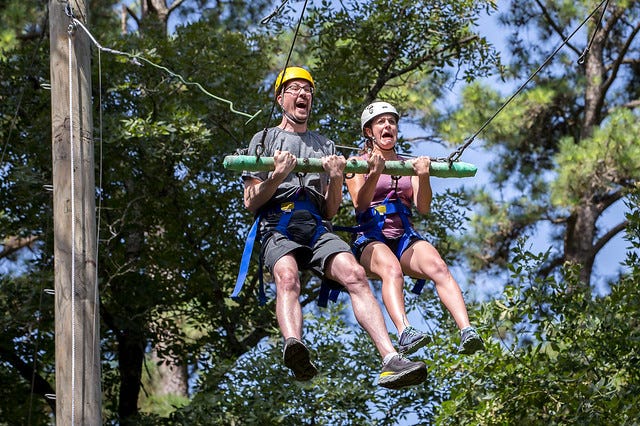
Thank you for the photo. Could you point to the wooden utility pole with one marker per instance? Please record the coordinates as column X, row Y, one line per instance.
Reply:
column 78, row 391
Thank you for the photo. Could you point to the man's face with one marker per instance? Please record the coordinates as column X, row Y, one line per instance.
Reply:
column 296, row 98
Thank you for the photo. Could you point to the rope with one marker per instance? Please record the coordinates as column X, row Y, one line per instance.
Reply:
column 96, row 300
column 455, row 155
column 582, row 57
column 73, row 233
column 136, row 58
column 260, row 147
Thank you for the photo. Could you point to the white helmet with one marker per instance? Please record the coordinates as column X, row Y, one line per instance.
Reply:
column 375, row 109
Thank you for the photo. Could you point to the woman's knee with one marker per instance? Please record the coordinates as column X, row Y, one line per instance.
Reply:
column 390, row 272
column 440, row 268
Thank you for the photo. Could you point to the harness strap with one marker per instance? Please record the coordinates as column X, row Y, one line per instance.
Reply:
column 404, row 243
column 327, row 292
column 286, row 208
column 244, row 264
column 371, row 222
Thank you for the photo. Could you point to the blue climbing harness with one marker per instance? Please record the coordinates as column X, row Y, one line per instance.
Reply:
column 371, row 222
column 285, row 210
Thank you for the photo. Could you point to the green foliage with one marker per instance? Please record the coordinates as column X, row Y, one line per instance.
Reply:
column 20, row 19
column 402, row 51
column 172, row 227
column 559, row 357
column 599, row 164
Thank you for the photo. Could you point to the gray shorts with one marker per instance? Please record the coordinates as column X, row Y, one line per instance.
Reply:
column 312, row 258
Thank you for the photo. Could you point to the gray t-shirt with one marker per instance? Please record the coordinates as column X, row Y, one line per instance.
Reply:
column 303, row 145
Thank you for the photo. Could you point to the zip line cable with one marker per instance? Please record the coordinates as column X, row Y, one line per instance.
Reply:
column 276, row 12
column 260, row 147
column 136, row 58
column 454, row 156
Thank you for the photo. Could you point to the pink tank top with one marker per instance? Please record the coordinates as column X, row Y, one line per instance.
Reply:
column 385, row 186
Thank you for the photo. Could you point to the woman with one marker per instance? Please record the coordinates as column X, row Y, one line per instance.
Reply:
column 388, row 246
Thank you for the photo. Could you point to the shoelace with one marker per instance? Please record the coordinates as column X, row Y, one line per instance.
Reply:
column 411, row 332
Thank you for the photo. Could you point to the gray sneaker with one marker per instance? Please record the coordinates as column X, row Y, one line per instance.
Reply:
column 296, row 357
column 470, row 341
column 411, row 340
column 399, row 372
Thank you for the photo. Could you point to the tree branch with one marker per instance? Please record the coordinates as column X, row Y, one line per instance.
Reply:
column 602, row 241
column 555, row 27
column 40, row 386
column 13, row 244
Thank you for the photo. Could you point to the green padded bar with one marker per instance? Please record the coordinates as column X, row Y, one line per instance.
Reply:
column 314, row 165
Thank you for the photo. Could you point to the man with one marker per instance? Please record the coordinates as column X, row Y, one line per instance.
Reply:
column 293, row 208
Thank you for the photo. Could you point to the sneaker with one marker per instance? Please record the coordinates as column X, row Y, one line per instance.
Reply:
column 470, row 341
column 399, row 372
column 411, row 340
column 296, row 357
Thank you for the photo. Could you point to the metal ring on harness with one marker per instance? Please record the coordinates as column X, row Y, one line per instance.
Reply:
column 395, row 180
column 259, row 150
column 301, row 176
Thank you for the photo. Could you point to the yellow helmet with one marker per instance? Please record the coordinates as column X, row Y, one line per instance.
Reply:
column 292, row 73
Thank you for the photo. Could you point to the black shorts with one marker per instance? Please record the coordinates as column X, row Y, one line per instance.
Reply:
column 276, row 245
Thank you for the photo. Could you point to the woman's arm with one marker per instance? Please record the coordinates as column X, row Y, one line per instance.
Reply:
column 421, row 184
column 363, row 189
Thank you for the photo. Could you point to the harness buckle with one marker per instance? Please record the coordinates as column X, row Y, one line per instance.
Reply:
column 287, row 206
column 381, row 208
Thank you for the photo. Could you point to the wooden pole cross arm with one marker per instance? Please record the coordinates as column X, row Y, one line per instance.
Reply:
column 314, row 165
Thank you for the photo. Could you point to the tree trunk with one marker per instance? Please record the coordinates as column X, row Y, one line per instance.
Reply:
column 172, row 379
column 130, row 357
column 581, row 225
column 131, row 342
column 579, row 237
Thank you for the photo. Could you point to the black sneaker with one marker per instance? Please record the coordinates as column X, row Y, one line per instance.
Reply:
column 296, row 357
column 399, row 372
column 411, row 340
column 470, row 341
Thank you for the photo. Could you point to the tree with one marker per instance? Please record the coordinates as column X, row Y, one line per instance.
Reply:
column 156, row 272
column 564, row 357
column 567, row 143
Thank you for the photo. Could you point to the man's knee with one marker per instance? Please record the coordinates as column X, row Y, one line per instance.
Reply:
column 352, row 274
column 285, row 274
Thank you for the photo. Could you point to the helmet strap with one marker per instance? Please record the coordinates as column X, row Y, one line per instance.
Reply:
column 375, row 142
column 290, row 117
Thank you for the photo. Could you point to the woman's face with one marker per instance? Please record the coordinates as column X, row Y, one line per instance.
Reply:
column 384, row 131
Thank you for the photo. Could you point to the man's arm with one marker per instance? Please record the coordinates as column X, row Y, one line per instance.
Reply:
column 334, row 165
column 257, row 193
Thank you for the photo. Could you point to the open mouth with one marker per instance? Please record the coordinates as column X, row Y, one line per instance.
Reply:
column 302, row 104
